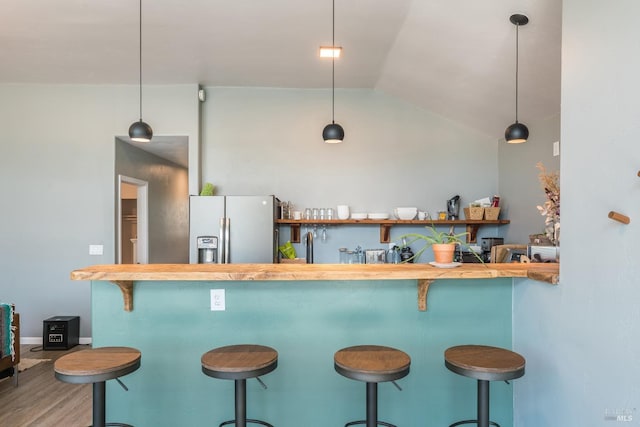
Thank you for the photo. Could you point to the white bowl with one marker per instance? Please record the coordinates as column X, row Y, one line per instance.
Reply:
column 378, row 216
column 359, row 215
column 405, row 213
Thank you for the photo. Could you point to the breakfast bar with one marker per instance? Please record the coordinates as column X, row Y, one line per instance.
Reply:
column 306, row 313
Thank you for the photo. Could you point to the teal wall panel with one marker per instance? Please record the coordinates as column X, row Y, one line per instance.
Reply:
column 172, row 325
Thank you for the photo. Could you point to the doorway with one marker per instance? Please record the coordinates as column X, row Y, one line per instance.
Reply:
column 133, row 224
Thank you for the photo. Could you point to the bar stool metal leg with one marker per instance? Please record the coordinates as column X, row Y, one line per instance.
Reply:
column 241, row 419
column 99, row 404
column 99, row 407
column 483, row 408
column 241, row 403
column 372, row 409
column 483, row 403
column 372, row 404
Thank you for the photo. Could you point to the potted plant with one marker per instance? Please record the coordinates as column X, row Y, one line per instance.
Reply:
column 443, row 243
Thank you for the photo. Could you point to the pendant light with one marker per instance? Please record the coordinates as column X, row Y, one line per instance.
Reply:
column 517, row 133
column 333, row 133
column 140, row 131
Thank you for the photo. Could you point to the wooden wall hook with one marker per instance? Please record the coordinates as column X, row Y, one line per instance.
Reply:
column 619, row 217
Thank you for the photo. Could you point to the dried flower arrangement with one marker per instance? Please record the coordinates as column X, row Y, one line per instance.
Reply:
column 550, row 183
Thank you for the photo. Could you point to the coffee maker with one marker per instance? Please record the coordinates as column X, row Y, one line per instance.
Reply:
column 486, row 243
column 453, row 207
column 207, row 249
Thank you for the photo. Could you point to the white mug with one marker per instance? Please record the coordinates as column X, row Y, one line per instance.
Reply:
column 297, row 215
column 343, row 212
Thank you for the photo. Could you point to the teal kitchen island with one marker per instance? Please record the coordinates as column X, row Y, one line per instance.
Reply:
column 307, row 313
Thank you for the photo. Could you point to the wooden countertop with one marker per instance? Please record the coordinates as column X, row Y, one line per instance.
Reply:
column 124, row 275
column 547, row 272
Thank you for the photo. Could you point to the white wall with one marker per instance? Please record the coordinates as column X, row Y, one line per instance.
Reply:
column 519, row 186
column 581, row 337
column 57, row 172
column 394, row 154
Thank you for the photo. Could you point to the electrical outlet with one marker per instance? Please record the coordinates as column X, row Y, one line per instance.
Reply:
column 556, row 148
column 96, row 249
column 217, row 300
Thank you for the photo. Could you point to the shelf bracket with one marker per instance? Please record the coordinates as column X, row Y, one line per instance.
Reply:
column 423, row 289
column 385, row 233
column 295, row 233
column 472, row 233
column 126, row 286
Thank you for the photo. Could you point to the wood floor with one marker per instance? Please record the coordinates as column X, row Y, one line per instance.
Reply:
column 42, row 401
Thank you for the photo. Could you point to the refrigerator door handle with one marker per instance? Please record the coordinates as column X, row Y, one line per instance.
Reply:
column 276, row 240
column 221, row 248
column 227, row 238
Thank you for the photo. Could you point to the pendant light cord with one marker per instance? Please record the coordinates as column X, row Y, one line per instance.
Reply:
column 517, row 66
column 140, row 56
column 333, row 63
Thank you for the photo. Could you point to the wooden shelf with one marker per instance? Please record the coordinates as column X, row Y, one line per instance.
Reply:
column 472, row 225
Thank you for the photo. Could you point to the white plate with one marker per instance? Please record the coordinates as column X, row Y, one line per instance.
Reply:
column 358, row 216
column 446, row 265
column 378, row 216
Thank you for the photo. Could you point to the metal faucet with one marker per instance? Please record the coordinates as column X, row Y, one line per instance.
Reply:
column 309, row 247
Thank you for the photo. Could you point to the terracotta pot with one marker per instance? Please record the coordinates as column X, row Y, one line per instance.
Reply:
column 443, row 252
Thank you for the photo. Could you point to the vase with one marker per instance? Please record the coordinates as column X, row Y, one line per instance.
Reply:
column 443, row 252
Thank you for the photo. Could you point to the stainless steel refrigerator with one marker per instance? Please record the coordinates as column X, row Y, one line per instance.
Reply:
column 244, row 225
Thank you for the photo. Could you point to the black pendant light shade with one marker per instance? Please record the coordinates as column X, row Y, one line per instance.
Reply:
column 517, row 133
column 140, row 131
column 333, row 132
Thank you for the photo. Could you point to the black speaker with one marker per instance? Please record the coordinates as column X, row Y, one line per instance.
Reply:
column 60, row 332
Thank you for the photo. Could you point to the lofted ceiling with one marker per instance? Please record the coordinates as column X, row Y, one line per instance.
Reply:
column 453, row 57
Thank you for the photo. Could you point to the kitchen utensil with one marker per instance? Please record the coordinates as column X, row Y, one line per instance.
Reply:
column 393, row 255
column 375, row 256
column 405, row 213
column 453, row 208
column 378, row 216
column 343, row 212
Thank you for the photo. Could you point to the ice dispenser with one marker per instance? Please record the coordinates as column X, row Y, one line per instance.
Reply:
column 207, row 249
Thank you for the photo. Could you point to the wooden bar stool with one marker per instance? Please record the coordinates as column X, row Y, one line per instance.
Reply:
column 485, row 364
column 239, row 362
column 372, row 364
column 96, row 366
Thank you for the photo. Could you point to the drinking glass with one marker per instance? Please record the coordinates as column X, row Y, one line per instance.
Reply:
column 343, row 256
